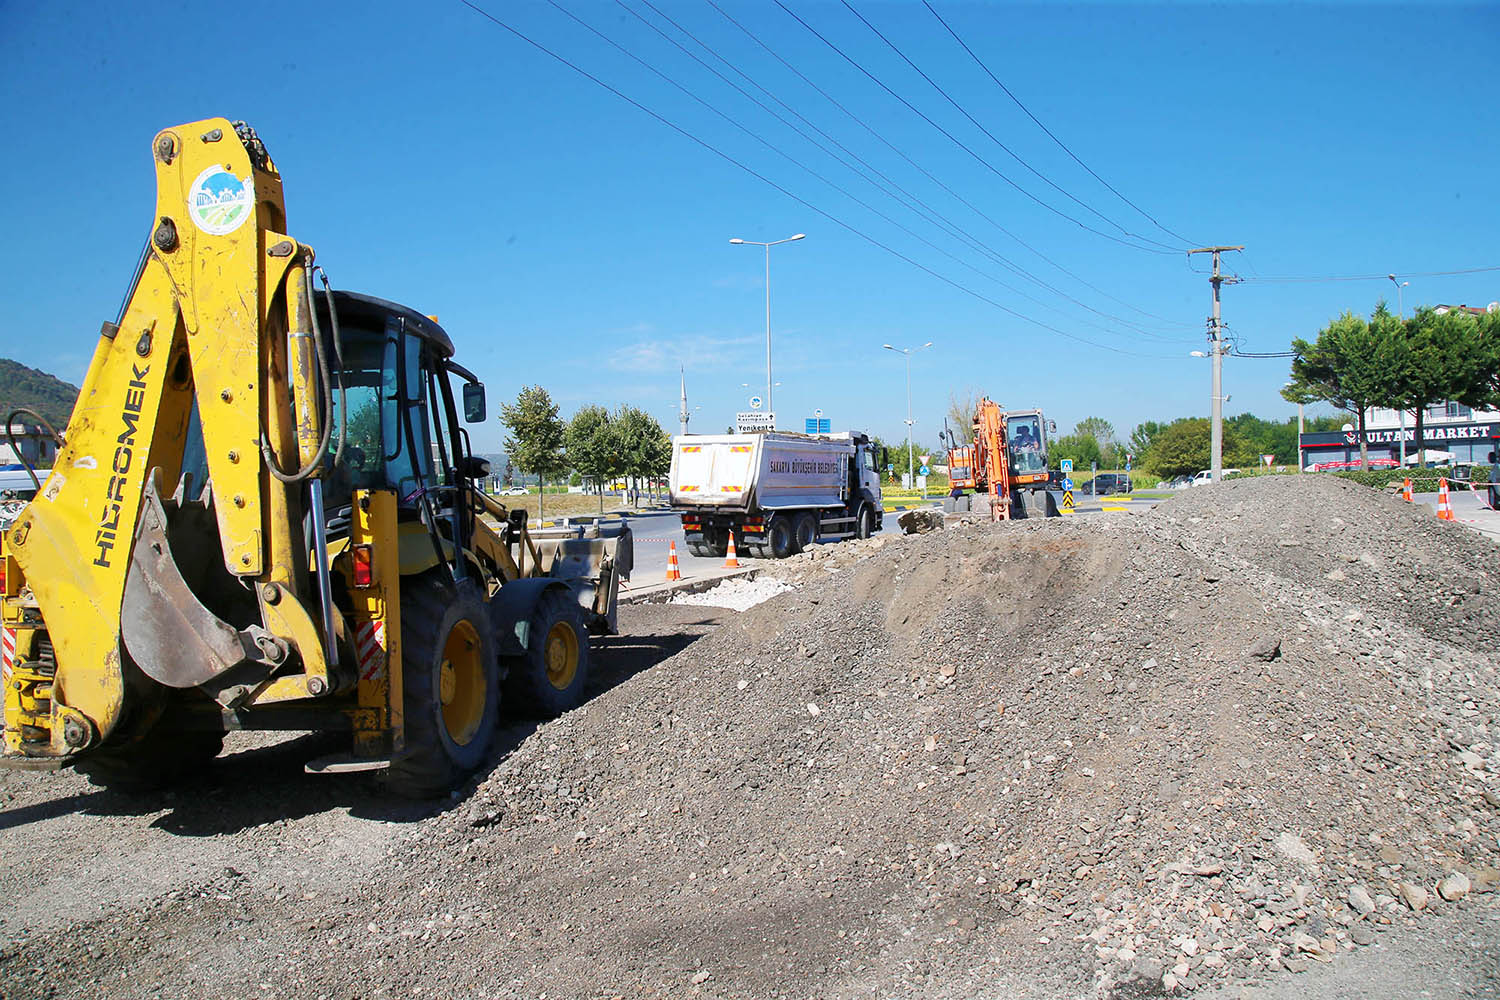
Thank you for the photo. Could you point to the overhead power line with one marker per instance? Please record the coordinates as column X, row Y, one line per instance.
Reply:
column 1062, row 145
column 778, row 187
column 909, row 201
column 959, row 142
column 1010, row 152
column 1292, row 279
column 945, row 187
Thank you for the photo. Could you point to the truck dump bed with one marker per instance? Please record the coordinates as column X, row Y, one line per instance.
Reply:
column 770, row 471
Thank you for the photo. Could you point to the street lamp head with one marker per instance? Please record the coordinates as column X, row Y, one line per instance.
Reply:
column 928, row 344
column 888, row 347
column 799, row 236
column 1391, row 276
column 1199, row 354
column 736, row 240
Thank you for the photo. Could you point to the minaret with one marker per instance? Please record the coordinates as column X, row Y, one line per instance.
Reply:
column 683, row 414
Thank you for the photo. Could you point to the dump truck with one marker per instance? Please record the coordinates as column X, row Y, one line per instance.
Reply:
column 1006, row 460
column 264, row 514
column 775, row 492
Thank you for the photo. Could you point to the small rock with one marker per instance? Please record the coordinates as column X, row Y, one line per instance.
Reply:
column 1148, row 969
column 1486, row 879
column 1190, row 947
column 1414, row 895
column 1267, row 648
column 1492, row 797
column 1295, row 848
column 813, row 709
column 1360, row 901
column 1455, row 887
column 701, row 977
column 1169, row 982
column 1362, row 934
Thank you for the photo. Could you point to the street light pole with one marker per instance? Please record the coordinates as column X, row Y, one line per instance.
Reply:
column 770, row 400
column 911, row 474
column 1216, row 342
column 1400, row 414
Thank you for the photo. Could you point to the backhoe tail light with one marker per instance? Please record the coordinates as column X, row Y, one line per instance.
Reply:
column 363, row 560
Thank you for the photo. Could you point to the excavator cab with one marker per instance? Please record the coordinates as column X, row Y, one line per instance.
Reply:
column 1027, row 441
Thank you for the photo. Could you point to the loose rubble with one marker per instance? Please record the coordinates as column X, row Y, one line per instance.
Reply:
column 1235, row 738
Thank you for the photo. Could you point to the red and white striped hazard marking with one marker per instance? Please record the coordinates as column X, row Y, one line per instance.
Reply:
column 7, row 651
column 369, row 642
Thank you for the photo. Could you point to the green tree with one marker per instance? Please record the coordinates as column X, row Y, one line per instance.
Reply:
column 1354, row 365
column 591, row 447
column 1184, row 446
column 644, row 448
column 1083, row 449
column 1141, row 437
column 1444, row 357
column 536, row 436
column 1103, row 433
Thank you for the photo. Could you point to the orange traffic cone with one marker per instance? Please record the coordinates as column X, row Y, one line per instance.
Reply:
column 1445, row 509
column 1406, row 491
column 673, row 573
column 731, row 560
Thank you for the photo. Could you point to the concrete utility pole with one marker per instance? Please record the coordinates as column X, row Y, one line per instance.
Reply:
column 1216, row 351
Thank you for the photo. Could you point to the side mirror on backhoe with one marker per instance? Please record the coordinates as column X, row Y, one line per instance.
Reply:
column 474, row 402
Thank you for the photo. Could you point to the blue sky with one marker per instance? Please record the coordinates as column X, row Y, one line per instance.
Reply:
column 564, row 237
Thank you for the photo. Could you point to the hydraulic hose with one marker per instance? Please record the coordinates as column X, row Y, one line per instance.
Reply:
column 20, row 454
column 325, row 380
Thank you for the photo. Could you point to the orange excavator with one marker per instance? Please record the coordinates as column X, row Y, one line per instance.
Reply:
column 1007, row 460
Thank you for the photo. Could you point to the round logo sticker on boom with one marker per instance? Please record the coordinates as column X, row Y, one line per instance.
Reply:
column 220, row 202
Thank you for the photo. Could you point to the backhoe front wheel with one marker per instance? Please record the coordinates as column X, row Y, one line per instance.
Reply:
column 451, row 685
column 553, row 675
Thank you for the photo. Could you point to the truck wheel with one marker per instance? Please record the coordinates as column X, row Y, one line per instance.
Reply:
column 552, row 676
column 160, row 759
column 451, row 685
column 779, row 538
column 698, row 549
column 719, row 547
column 807, row 530
column 865, row 525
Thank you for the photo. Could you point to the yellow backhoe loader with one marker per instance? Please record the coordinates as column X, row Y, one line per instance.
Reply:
column 264, row 515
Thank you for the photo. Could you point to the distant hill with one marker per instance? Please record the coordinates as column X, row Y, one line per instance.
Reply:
column 48, row 395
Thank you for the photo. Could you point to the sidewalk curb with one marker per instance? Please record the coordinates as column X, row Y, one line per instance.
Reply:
column 660, row 593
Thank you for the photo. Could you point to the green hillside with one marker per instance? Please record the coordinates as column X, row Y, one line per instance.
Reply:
column 21, row 386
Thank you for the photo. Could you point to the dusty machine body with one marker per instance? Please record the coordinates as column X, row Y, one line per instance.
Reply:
column 776, row 491
column 264, row 514
column 1006, row 462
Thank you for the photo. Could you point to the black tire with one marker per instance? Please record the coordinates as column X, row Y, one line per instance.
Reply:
column 553, row 676
column 719, row 546
column 779, row 539
column 445, row 636
column 864, row 524
column 158, row 760
column 806, row 531
column 698, row 549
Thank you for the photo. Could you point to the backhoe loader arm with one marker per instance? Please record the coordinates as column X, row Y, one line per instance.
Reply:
column 216, row 320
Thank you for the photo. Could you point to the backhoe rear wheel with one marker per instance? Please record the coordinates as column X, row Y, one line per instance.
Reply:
column 450, row 685
column 553, row 675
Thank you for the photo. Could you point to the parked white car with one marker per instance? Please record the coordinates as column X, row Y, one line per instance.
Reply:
column 1207, row 476
column 514, row 491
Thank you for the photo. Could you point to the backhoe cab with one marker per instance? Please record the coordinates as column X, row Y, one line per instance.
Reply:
column 264, row 513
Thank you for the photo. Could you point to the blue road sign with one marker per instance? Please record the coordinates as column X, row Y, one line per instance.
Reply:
column 818, row 425
column 922, row 471
column 1067, row 483
column 1067, row 466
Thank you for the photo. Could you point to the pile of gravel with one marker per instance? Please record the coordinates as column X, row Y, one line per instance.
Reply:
column 1250, row 731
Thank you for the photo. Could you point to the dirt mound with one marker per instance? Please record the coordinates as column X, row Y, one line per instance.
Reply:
column 1107, row 756
column 1166, row 748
